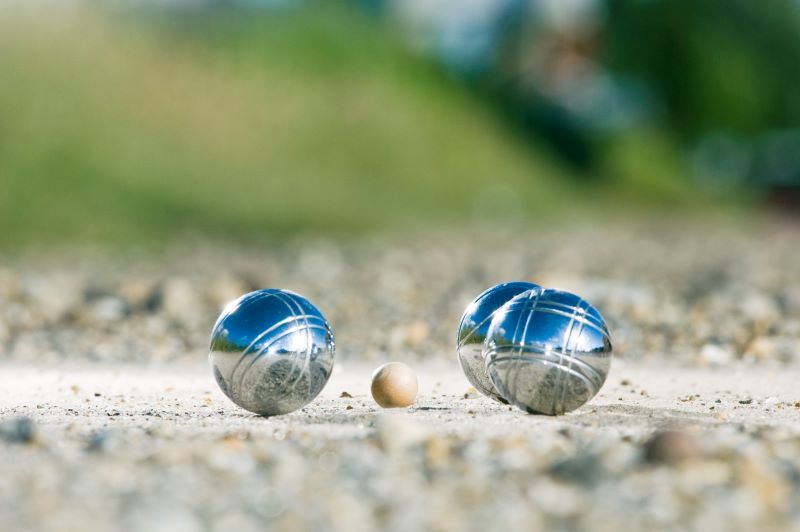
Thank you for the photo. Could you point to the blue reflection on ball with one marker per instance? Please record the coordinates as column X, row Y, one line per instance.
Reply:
column 472, row 331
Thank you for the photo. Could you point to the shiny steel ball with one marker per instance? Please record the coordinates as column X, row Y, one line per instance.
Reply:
column 547, row 351
column 271, row 351
column 472, row 331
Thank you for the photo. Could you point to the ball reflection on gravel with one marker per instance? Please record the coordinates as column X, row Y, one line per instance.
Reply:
column 472, row 332
column 271, row 351
column 547, row 351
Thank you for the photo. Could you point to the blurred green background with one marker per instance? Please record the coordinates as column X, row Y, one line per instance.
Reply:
column 122, row 124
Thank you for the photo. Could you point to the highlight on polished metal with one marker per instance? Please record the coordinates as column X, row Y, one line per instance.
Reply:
column 271, row 351
column 472, row 331
column 547, row 351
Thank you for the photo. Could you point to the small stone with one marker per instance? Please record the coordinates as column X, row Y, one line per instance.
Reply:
column 771, row 401
column 108, row 309
column 139, row 293
column 671, row 447
column 396, row 433
column 180, row 300
column 438, row 450
column 5, row 332
column 225, row 288
column 20, row 430
column 782, row 348
column 716, row 355
column 585, row 468
column 55, row 296
column 97, row 441
column 745, row 401
column 416, row 333
column 345, row 395
column 394, row 385
column 349, row 407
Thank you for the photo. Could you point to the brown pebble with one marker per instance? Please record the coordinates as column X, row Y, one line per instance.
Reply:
column 345, row 395
column 349, row 407
column 671, row 447
column 417, row 333
column 394, row 385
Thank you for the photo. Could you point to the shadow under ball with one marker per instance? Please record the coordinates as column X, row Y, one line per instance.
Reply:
column 271, row 351
column 547, row 351
column 472, row 331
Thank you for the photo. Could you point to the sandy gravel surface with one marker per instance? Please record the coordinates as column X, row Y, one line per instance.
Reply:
column 110, row 420
column 698, row 294
column 160, row 448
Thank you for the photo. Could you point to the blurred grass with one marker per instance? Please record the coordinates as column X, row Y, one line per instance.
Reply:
column 132, row 130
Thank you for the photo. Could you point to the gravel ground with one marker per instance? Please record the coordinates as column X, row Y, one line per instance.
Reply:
column 110, row 419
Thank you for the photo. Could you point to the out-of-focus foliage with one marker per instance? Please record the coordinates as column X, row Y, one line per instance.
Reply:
column 726, row 76
column 717, row 64
column 710, row 86
column 702, row 94
column 133, row 123
column 135, row 127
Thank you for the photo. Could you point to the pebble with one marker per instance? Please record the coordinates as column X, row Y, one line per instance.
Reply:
column 716, row 355
column 107, row 309
column 671, row 447
column 19, row 430
column 181, row 300
column 584, row 468
column 396, row 433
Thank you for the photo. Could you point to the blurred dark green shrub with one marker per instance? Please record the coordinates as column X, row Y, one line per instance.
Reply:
column 717, row 64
